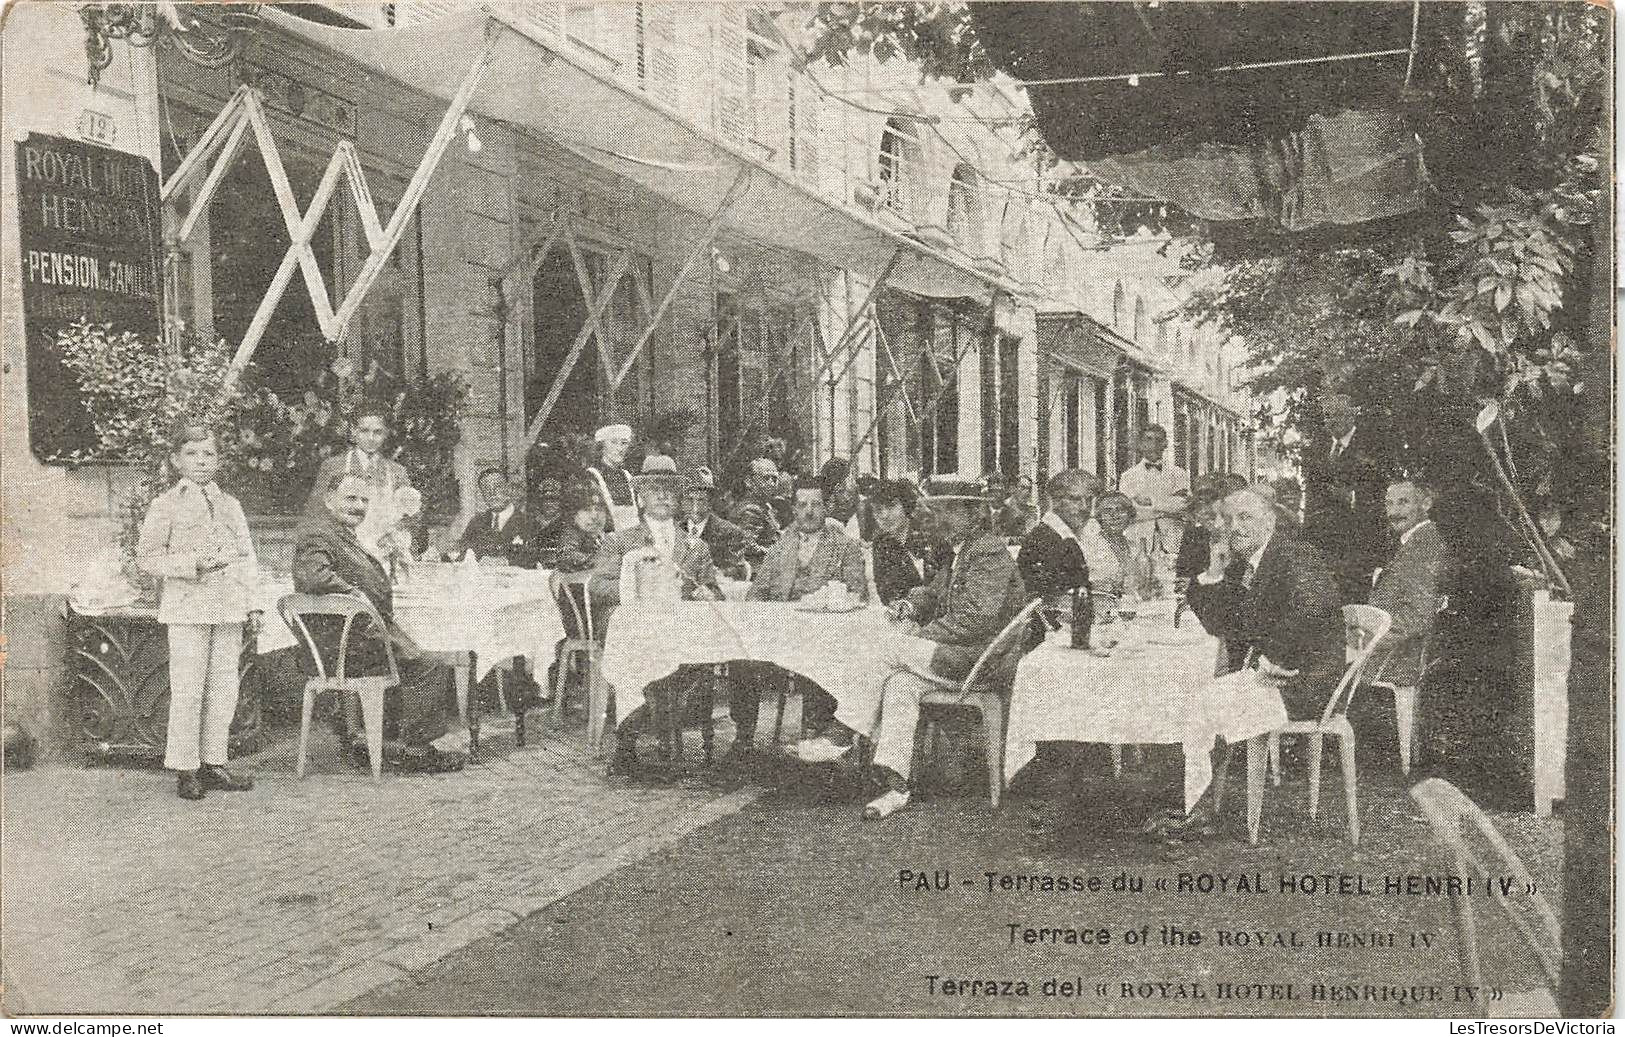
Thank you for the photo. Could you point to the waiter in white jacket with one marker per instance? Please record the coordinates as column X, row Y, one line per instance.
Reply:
column 1160, row 491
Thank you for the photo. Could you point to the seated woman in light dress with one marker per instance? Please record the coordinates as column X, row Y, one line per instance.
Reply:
column 1106, row 546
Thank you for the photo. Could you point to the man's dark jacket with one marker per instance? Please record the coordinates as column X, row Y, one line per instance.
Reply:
column 1051, row 565
column 895, row 574
column 327, row 559
column 1290, row 615
column 1343, row 507
column 519, row 540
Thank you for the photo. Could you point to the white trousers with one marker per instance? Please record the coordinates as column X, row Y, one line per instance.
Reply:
column 202, row 692
column 893, row 732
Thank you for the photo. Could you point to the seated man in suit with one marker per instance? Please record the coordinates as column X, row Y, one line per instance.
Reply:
column 809, row 555
column 369, row 430
column 1408, row 586
column 726, row 540
column 662, row 557
column 503, row 533
column 906, row 553
column 1272, row 600
column 328, row 559
column 755, row 512
column 948, row 623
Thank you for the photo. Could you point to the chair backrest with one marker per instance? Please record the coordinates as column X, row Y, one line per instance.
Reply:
column 296, row 608
column 570, row 591
column 1364, row 627
column 1004, row 642
column 1481, row 854
column 1425, row 662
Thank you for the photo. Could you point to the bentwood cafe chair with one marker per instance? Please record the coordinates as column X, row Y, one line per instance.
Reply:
column 296, row 610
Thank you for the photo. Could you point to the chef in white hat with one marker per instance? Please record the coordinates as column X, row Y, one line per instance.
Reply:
column 613, row 481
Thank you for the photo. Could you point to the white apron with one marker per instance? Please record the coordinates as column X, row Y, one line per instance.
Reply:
column 621, row 516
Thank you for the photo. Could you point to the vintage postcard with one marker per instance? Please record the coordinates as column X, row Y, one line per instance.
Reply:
column 1091, row 509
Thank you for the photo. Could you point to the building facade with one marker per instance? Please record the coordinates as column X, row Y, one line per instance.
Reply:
column 650, row 212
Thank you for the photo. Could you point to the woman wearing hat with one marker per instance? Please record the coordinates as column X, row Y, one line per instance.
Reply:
column 613, row 481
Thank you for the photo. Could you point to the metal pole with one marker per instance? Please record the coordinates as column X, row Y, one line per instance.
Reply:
column 711, row 231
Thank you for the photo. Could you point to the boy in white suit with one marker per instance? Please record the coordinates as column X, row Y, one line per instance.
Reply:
column 196, row 539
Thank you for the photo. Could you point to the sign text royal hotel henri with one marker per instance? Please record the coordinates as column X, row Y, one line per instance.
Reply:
column 89, row 230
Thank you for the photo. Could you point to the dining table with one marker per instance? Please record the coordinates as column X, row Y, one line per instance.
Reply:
column 1147, row 681
column 845, row 651
column 473, row 618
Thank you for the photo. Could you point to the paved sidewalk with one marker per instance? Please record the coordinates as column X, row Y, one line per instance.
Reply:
column 299, row 896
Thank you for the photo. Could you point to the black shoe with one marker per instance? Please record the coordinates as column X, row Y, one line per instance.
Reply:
column 188, row 785
column 214, row 776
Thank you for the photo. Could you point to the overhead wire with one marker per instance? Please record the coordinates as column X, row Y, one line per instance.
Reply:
column 1134, row 78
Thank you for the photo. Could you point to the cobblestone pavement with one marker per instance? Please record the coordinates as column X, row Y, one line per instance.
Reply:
column 298, row 896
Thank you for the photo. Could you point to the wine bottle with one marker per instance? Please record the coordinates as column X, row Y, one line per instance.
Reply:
column 1083, row 616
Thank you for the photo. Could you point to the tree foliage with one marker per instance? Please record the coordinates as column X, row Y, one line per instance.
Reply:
column 938, row 37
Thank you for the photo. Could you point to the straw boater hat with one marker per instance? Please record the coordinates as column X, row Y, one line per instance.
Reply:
column 609, row 432
column 659, row 471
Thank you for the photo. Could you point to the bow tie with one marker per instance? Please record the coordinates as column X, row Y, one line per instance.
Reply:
column 1153, row 467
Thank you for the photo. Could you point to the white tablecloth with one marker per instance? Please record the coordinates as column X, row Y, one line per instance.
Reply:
column 496, row 614
column 1156, row 688
column 843, row 653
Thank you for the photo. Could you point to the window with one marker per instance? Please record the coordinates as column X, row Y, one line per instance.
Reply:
column 1139, row 319
column 225, row 269
column 767, row 83
column 966, row 221
column 1057, row 271
column 558, row 313
column 944, row 332
column 1117, row 306
column 900, row 162
column 761, row 374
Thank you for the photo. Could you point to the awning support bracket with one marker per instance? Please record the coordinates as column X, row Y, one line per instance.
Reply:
column 222, row 141
column 953, row 376
column 858, row 318
column 600, row 302
column 740, row 183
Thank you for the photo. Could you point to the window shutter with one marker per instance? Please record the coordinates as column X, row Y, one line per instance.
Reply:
column 545, row 19
column 733, row 121
column 770, row 117
column 809, row 129
column 663, row 50
column 416, row 12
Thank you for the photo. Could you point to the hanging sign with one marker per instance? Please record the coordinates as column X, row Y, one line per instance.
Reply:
column 89, row 229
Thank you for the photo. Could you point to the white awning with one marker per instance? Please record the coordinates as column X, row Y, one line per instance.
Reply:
column 641, row 139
